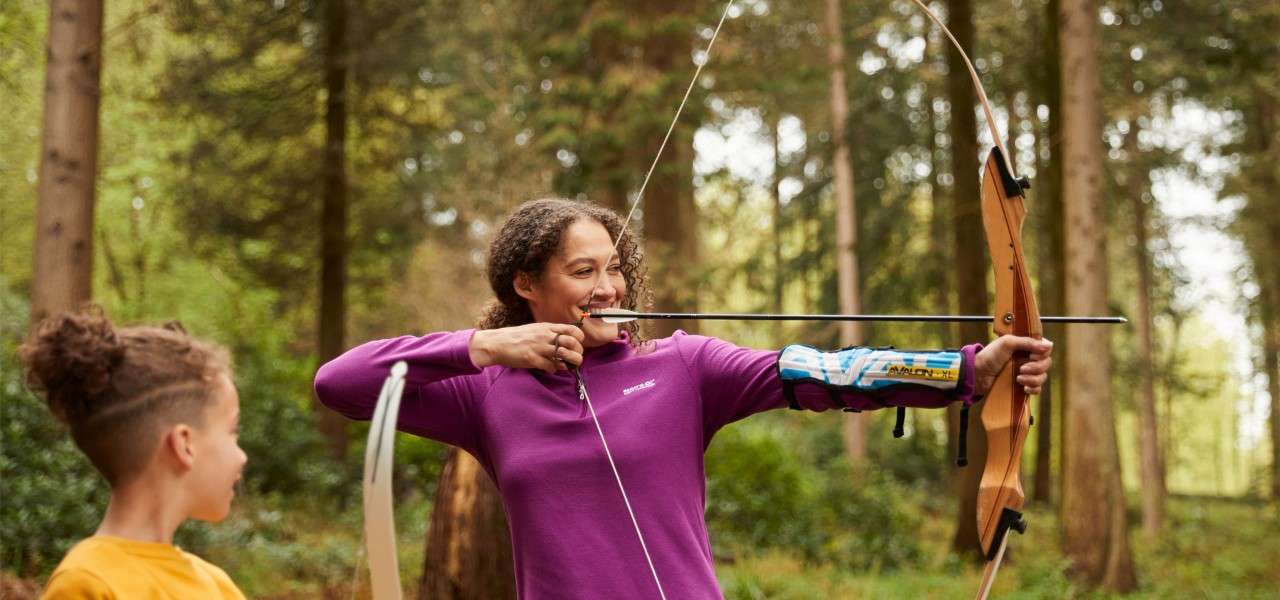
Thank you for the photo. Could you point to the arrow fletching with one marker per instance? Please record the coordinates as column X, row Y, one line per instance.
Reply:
column 612, row 315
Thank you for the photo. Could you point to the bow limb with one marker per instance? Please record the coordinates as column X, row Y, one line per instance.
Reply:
column 379, row 520
column 977, row 85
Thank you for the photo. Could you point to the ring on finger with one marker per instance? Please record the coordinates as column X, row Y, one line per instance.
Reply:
column 555, row 354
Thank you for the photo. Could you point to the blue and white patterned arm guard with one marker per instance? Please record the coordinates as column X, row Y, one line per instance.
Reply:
column 868, row 370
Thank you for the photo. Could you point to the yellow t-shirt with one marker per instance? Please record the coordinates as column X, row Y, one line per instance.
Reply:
column 110, row 567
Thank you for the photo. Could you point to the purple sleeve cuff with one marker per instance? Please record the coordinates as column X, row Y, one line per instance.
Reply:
column 965, row 388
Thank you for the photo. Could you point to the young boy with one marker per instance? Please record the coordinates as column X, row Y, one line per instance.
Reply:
column 156, row 413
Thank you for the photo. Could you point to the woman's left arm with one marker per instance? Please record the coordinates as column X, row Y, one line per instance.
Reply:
column 736, row 382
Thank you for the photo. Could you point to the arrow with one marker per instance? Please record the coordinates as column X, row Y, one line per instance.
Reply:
column 622, row 315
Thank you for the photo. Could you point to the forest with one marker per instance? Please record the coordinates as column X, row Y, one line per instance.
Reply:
column 295, row 177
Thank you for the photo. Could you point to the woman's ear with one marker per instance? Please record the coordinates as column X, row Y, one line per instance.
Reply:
column 523, row 285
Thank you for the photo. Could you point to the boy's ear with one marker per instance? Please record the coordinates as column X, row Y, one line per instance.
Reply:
column 523, row 285
column 180, row 445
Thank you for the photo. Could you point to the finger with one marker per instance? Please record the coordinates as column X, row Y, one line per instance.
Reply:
column 571, row 344
column 563, row 354
column 1035, row 368
column 569, row 330
column 571, row 357
column 1027, row 344
column 1031, row 380
column 541, row 360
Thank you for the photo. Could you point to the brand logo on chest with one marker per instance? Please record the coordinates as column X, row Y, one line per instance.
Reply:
column 638, row 387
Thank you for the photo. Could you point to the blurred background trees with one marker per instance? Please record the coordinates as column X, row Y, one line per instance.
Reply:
column 292, row 177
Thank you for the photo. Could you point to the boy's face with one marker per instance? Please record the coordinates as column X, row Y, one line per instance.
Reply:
column 219, row 459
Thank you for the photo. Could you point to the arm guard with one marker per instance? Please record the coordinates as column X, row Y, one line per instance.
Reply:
column 869, row 369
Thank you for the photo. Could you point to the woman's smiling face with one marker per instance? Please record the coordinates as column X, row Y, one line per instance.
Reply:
column 583, row 274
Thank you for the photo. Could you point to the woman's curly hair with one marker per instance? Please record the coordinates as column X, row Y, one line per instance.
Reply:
column 532, row 235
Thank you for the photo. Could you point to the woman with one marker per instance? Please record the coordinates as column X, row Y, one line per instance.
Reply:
column 534, row 391
column 157, row 414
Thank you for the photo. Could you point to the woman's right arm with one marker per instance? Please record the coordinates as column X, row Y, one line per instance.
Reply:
column 442, row 385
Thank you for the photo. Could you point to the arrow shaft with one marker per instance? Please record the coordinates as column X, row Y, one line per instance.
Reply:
column 875, row 318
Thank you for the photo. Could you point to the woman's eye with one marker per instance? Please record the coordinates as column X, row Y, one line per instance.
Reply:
column 583, row 272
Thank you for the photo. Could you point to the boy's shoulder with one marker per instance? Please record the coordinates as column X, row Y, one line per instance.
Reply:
column 105, row 567
column 81, row 573
column 215, row 572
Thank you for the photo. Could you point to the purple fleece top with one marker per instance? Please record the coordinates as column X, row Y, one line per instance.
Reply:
column 659, row 407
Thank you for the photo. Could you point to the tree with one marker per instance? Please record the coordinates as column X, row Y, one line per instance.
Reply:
column 671, row 217
column 68, row 159
column 850, row 297
column 1095, row 533
column 1151, row 461
column 279, row 106
column 468, row 551
column 971, row 268
column 333, row 214
column 1052, row 251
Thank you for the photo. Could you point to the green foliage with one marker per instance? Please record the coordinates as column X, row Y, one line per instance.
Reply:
column 52, row 495
column 209, row 187
column 1213, row 545
column 766, row 492
column 759, row 494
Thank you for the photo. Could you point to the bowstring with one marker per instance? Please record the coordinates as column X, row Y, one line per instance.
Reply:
column 635, row 203
column 706, row 57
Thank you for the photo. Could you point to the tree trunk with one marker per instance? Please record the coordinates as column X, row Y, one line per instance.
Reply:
column 939, row 247
column 779, row 280
column 1042, row 487
column 333, row 219
column 940, row 244
column 970, row 261
column 1151, row 468
column 468, row 551
column 670, row 216
column 1095, row 531
column 63, row 275
column 1266, row 265
column 1271, row 351
column 1053, row 274
column 855, row 424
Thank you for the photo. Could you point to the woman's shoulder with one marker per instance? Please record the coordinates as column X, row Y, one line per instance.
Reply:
column 690, row 348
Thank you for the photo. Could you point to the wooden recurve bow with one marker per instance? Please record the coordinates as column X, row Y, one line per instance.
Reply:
column 1006, row 414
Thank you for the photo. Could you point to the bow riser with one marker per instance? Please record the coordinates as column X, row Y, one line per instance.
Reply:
column 1006, row 415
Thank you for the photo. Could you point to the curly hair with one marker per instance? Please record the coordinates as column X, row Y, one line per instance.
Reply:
column 532, row 235
column 117, row 389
